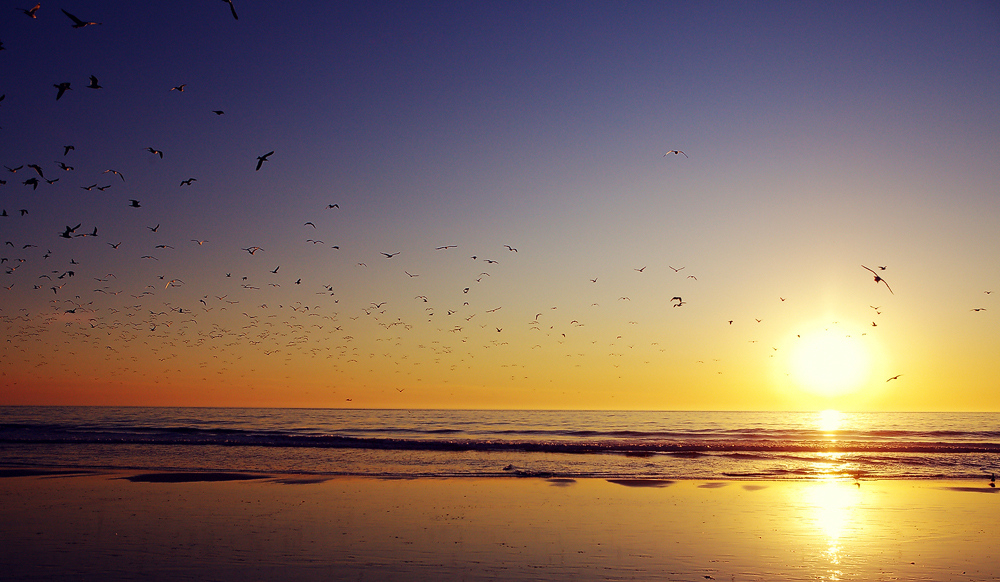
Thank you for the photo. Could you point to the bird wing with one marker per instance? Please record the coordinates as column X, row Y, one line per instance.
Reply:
column 73, row 18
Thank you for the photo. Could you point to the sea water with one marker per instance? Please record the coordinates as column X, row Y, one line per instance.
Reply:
column 502, row 443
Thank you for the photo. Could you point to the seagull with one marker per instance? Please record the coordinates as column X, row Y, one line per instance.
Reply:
column 134, row 203
column 391, row 255
column 63, row 87
column 676, row 270
column 678, row 300
column 233, row 10
column 894, row 377
column 188, row 181
column 31, row 11
column 309, row 224
column 879, row 279
column 37, row 169
column 179, row 88
column 64, row 166
column 218, row 111
column 155, row 152
column 510, row 248
column 675, row 152
column 640, row 270
column 66, row 149
column 252, row 250
column 154, row 228
column 93, row 83
column 329, row 206
column 77, row 23
column 262, row 159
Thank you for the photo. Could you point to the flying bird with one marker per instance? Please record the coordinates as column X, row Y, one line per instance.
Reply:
column 31, row 11
column 262, row 159
column 179, row 88
column 329, row 206
column 66, row 149
column 155, row 152
column 218, row 111
column 188, row 181
column 93, row 83
column 77, row 23
column 894, row 377
column 879, row 279
column 391, row 255
column 232, row 8
column 134, row 203
column 675, row 152
column 63, row 87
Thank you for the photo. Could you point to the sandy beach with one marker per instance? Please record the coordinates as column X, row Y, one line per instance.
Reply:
column 223, row 526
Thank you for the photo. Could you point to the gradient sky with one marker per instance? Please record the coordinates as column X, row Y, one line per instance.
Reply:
column 820, row 137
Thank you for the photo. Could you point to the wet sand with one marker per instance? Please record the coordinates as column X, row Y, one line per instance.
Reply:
column 231, row 526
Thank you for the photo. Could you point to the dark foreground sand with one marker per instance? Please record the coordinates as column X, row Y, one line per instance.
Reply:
column 220, row 526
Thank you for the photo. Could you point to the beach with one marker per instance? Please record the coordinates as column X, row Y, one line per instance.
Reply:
column 243, row 526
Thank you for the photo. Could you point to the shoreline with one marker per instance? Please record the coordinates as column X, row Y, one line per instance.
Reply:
column 125, row 525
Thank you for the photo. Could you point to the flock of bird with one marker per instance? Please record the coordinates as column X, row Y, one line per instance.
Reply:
column 114, row 314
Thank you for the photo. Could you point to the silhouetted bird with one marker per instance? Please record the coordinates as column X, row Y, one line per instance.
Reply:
column 63, row 87
column 262, row 159
column 77, row 23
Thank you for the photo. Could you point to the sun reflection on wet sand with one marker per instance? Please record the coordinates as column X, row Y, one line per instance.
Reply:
column 831, row 506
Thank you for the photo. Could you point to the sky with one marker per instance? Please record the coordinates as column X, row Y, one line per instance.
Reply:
column 531, row 140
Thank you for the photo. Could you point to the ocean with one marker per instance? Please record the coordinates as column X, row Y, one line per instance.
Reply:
column 502, row 443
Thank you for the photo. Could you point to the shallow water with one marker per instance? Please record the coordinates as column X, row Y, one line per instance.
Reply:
column 446, row 443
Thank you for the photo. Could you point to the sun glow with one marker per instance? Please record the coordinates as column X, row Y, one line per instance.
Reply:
column 829, row 363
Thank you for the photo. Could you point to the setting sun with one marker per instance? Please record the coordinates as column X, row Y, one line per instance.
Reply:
column 829, row 363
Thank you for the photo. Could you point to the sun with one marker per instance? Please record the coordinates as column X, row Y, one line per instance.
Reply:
column 829, row 363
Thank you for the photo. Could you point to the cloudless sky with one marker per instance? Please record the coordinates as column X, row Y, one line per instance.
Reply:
column 819, row 137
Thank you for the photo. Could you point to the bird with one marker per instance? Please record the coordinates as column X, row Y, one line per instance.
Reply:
column 63, row 166
column 441, row 248
column 978, row 309
column 879, row 279
column 675, row 152
column 676, row 269
column 232, row 8
column 218, row 111
column 179, row 88
column 188, row 181
column 115, row 172
column 155, row 152
column 37, row 169
column 391, row 255
column 93, row 83
column 678, row 300
column 329, row 206
column 33, row 182
column 31, row 11
column 134, row 203
column 510, row 248
column 252, row 250
column 262, row 159
column 77, row 23
column 309, row 224
column 896, row 377
column 63, row 87
column 67, row 149
column 640, row 270
column 154, row 228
